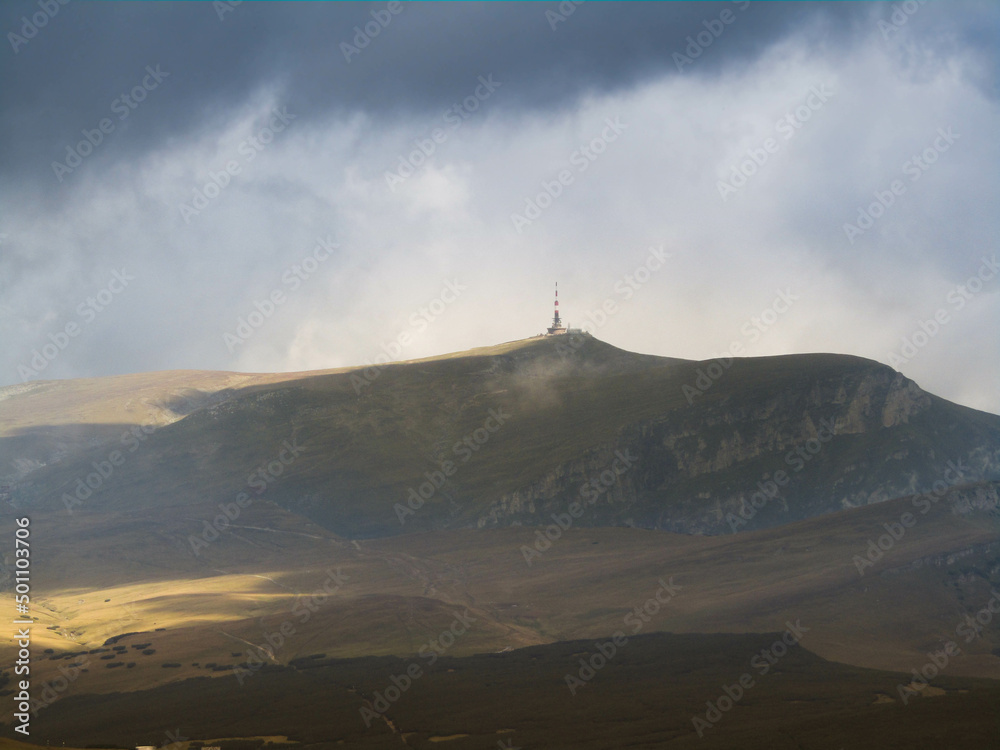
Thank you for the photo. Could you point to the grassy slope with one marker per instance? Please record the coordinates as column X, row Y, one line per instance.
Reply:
column 401, row 593
column 50, row 417
column 365, row 451
column 359, row 450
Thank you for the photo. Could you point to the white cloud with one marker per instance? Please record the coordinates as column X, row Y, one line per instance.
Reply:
column 656, row 183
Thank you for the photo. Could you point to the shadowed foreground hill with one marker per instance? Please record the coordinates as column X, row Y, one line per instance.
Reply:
column 645, row 695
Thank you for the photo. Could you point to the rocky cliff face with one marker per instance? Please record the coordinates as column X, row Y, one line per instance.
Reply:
column 981, row 561
column 757, row 460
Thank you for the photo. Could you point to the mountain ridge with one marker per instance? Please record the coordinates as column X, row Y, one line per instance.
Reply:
column 411, row 446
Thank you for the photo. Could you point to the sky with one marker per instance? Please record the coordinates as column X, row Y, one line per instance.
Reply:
column 268, row 187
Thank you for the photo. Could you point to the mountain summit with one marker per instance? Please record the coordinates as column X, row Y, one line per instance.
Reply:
column 511, row 434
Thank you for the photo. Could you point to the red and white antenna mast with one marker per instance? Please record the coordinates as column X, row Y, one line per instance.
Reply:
column 557, row 326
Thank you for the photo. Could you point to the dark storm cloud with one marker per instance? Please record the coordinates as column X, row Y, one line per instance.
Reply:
column 70, row 74
column 898, row 72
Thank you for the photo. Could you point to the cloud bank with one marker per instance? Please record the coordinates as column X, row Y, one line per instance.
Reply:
column 269, row 187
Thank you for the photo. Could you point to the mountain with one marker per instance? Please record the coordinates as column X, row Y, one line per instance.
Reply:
column 191, row 525
column 509, row 435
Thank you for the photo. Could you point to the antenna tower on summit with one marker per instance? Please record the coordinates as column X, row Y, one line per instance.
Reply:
column 557, row 326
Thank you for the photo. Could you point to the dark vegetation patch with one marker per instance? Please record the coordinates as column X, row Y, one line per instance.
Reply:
column 643, row 698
